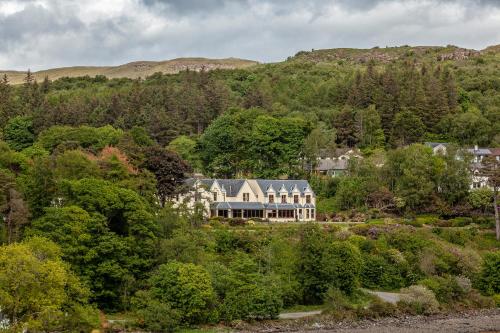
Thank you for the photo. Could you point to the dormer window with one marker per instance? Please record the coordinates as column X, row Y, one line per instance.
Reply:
column 308, row 198
column 271, row 198
column 215, row 196
column 283, row 198
column 296, row 199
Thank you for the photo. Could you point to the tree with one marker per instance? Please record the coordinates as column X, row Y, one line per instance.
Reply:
column 321, row 138
column 470, row 128
column 37, row 289
column 411, row 175
column 453, row 176
column 169, row 169
column 491, row 170
column 326, row 264
column 407, row 128
column 187, row 150
column 187, row 288
column 368, row 129
column 19, row 132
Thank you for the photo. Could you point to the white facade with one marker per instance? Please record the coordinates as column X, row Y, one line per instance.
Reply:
column 274, row 200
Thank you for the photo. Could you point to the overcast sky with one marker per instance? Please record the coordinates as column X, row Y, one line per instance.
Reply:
column 41, row 34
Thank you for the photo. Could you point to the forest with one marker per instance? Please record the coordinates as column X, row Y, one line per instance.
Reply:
column 87, row 166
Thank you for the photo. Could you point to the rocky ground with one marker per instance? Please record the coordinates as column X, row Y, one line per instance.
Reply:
column 484, row 321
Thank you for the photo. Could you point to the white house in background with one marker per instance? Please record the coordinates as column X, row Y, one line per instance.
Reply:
column 275, row 200
column 437, row 147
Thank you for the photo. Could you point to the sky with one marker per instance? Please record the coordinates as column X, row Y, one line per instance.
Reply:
column 40, row 34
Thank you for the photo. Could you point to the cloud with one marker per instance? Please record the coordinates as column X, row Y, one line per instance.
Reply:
column 39, row 34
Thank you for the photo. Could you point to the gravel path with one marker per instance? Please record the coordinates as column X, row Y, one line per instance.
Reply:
column 386, row 296
column 298, row 315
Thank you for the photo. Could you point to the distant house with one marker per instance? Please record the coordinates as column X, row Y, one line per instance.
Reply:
column 495, row 152
column 437, row 147
column 331, row 167
column 479, row 153
column 335, row 163
column 275, row 200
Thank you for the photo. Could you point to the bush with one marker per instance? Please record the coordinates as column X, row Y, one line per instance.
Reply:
column 455, row 236
column 153, row 315
column 252, row 301
column 418, row 300
column 489, row 275
column 342, row 263
column 461, row 221
column 379, row 273
column 378, row 308
column 187, row 288
column 336, row 300
column 446, row 289
column 234, row 222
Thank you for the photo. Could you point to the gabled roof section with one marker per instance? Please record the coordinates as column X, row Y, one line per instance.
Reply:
column 232, row 186
column 289, row 184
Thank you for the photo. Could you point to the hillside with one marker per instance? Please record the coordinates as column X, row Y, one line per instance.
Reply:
column 133, row 70
column 391, row 54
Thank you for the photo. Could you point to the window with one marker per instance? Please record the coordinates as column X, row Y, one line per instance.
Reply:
column 296, row 199
column 271, row 198
column 307, row 213
column 249, row 213
column 271, row 214
column 197, row 196
column 283, row 198
column 312, row 213
column 308, row 198
column 246, row 197
column 476, row 185
column 300, row 212
column 222, row 213
column 215, row 196
column 237, row 213
column 287, row 213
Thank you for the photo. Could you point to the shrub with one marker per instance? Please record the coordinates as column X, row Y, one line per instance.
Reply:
column 418, row 300
column 446, row 289
column 234, row 222
column 461, row 221
column 153, row 315
column 378, row 308
column 252, row 301
column 489, row 275
column 455, row 236
column 336, row 300
column 378, row 273
column 341, row 264
column 186, row 288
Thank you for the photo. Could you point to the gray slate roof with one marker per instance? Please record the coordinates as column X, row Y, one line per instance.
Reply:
column 329, row 164
column 289, row 184
column 479, row 151
column 232, row 186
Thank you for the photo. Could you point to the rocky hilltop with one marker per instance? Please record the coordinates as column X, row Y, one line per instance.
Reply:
column 390, row 54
